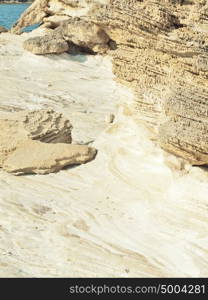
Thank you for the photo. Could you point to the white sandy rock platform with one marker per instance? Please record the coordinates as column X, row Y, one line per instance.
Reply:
column 126, row 213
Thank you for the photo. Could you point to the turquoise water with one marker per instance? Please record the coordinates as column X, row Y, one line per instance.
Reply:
column 10, row 13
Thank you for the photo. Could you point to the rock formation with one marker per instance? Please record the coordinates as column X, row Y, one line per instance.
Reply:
column 76, row 35
column 39, row 142
column 41, row 158
column 46, row 45
column 2, row 29
column 160, row 50
column 46, row 126
column 53, row 12
column 86, row 35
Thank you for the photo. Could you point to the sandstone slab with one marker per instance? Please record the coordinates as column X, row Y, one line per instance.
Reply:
column 39, row 142
column 41, row 158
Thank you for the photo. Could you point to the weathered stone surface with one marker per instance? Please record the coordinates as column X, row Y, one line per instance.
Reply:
column 33, row 15
column 76, row 35
column 44, row 125
column 48, row 44
column 38, row 142
column 2, row 29
column 48, row 10
column 84, row 34
column 42, row 158
column 161, row 51
column 162, row 54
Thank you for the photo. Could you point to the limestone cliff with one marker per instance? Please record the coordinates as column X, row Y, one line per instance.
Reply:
column 159, row 48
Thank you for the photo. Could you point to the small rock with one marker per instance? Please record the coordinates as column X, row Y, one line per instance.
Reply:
column 110, row 118
column 2, row 29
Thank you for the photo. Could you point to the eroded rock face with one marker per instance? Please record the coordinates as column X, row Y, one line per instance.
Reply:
column 162, row 53
column 39, row 142
column 70, row 33
column 33, row 15
column 54, row 12
column 76, row 35
column 46, row 126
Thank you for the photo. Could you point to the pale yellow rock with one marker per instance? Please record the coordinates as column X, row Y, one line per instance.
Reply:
column 12, row 134
column 48, row 44
column 159, row 49
column 126, row 214
column 41, row 158
column 84, row 34
column 38, row 142
column 45, row 125
column 34, row 14
column 43, row 10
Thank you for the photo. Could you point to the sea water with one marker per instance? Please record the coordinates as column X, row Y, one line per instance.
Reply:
column 10, row 13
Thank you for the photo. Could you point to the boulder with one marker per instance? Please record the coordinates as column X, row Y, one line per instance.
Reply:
column 84, row 34
column 48, row 44
column 2, row 29
column 46, row 126
column 74, row 35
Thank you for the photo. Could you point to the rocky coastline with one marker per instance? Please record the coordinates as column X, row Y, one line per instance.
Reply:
column 143, row 59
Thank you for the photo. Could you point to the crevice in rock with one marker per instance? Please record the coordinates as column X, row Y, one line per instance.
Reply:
column 112, row 45
column 75, row 49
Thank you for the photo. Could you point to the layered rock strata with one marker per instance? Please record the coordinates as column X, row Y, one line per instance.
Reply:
column 161, row 51
column 38, row 142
